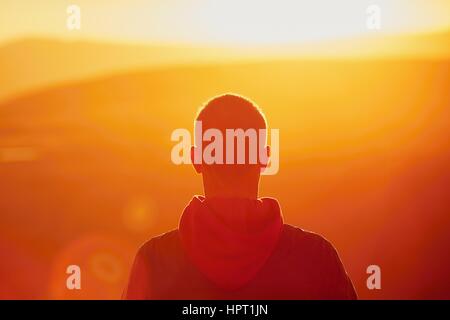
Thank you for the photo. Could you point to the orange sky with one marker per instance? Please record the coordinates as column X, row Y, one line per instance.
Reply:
column 230, row 22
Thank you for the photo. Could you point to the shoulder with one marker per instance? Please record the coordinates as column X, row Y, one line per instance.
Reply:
column 307, row 240
column 322, row 260
column 159, row 244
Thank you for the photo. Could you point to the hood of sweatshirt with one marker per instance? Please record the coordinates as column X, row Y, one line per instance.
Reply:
column 229, row 240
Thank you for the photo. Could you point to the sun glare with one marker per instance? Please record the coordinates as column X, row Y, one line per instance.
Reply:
column 261, row 22
column 223, row 22
column 266, row 22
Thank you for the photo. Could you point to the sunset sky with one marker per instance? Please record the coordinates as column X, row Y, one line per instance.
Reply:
column 212, row 22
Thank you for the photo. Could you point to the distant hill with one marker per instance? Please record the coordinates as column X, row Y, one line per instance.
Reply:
column 36, row 63
column 31, row 64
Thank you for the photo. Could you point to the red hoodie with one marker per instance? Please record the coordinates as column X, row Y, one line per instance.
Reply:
column 237, row 249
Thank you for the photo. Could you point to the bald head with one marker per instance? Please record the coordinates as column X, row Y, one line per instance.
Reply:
column 231, row 111
column 230, row 139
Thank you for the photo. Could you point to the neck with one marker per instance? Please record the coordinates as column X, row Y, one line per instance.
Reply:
column 230, row 193
column 241, row 189
column 243, row 186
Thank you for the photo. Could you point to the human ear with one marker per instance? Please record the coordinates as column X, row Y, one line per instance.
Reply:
column 265, row 163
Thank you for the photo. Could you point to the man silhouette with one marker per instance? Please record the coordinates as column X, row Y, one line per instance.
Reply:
column 230, row 244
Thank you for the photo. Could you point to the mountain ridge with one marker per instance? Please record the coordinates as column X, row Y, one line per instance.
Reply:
column 33, row 63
